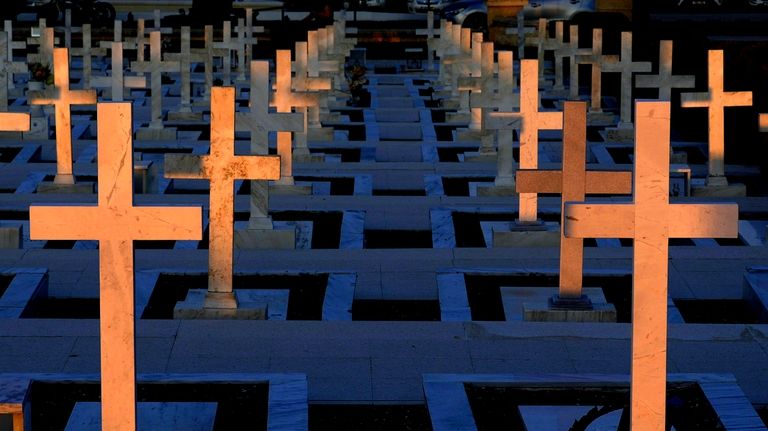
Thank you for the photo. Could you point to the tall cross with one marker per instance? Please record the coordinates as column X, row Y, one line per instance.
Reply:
column 716, row 99
column 627, row 68
column 481, row 86
column 222, row 168
column 225, row 49
column 431, row 45
column 545, row 43
column 285, row 99
column 245, row 42
column 571, row 50
column 118, row 80
column 45, row 41
column 115, row 222
column 62, row 98
column 559, row 47
column 7, row 69
column 573, row 182
column 529, row 120
column 259, row 121
column 138, row 43
column 184, row 59
column 650, row 220
column 155, row 66
column 308, row 78
column 86, row 52
column 10, row 66
column 665, row 81
column 508, row 100
column 597, row 60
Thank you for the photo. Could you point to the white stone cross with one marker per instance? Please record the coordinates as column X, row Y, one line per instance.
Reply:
column 222, row 168
column 716, row 99
column 118, row 80
column 308, row 79
column 650, row 220
column 597, row 60
column 184, row 59
column 545, row 43
column 627, row 68
column 573, row 182
column 86, row 52
column 11, row 45
column 7, row 69
column 117, row 35
column 508, row 101
column 665, row 81
column 245, row 42
column 225, row 49
column 62, row 98
column 115, row 222
column 45, row 41
column 431, row 45
column 529, row 120
column 572, row 50
column 155, row 67
column 560, row 47
column 259, row 122
column 136, row 43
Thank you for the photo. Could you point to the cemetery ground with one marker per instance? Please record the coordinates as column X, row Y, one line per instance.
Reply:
column 388, row 291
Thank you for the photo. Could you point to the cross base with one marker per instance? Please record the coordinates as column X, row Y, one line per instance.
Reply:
column 65, row 188
column 250, row 307
column 217, row 300
column 557, row 302
column 260, row 239
column 727, row 190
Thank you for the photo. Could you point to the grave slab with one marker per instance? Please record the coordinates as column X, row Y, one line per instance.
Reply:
column 531, row 304
column 252, row 304
column 86, row 416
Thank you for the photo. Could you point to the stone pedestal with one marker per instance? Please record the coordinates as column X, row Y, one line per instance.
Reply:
column 600, row 118
column 545, row 234
column 532, row 304
column 496, row 190
column 720, row 190
column 320, row 134
column 11, row 235
column 51, row 187
column 623, row 134
column 249, row 307
column 253, row 239
column 185, row 116
column 151, row 134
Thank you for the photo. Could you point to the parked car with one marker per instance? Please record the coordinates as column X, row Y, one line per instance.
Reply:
column 473, row 13
column 420, row 6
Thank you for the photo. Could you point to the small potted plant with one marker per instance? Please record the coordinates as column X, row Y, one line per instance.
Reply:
column 355, row 74
column 39, row 76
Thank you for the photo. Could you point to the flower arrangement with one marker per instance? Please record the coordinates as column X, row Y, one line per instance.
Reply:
column 355, row 75
column 40, row 73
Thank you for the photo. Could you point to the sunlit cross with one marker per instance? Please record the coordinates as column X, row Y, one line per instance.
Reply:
column 115, row 222
column 62, row 98
column 651, row 221
column 222, row 168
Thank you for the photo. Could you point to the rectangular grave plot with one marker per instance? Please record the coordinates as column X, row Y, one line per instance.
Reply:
column 392, row 239
column 369, row 417
column 469, row 232
column 717, row 311
column 237, row 403
column 49, row 307
column 7, row 154
column 396, row 310
column 451, row 154
column 348, row 155
column 459, row 186
column 484, row 294
column 497, row 406
column 305, row 298
column 398, row 192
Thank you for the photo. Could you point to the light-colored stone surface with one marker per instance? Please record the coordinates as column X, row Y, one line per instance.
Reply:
column 627, row 68
column 597, row 60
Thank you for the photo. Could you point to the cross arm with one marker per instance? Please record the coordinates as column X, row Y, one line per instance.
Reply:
column 503, row 120
column 132, row 223
column 597, row 182
column 257, row 167
column 185, row 166
column 14, row 121
column 718, row 220
column 584, row 220
column 274, row 122
column 695, row 100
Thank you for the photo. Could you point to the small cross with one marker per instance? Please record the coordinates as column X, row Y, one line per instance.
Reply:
column 573, row 182
column 184, row 59
column 626, row 67
column 596, row 59
column 225, row 48
column 115, row 222
column 716, row 99
column 118, row 80
column 665, row 81
column 529, row 120
column 572, row 50
column 155, row 66
column 117, row 32
column 62, row 98
column 308, row 79
column 11, row 45
column 136, row 43
column 222, row 168
column 508, row 100
column 650, row 220
column 432, row 46
column 245, row 41
column 559, row 44
column 259, row 122
column 86, row 52
column 14, row 121
column 546, row 43
column 45, row 42
column 7, row 69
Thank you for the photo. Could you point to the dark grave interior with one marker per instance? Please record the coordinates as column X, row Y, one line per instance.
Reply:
column 46, row 307
column 399, row 192
column 305, row 298
column 237, row 403
column 7, row 154
column 714, row 311
column 348, row 155
column 5, row 281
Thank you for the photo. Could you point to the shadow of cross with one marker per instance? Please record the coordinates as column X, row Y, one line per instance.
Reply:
column 528, row 121
column 650, row 220
column 573, row 182
column 14, row 121
column 716, row 99
column 222, row 168
column 115, row 222
column 62, row 98
column 259, row 122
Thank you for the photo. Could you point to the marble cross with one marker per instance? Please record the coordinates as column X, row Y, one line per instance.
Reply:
column 573, row 182
column 155, row 67
column 431, row 45
column 137, row 43
column 86, row 52
column 545, row 43
column 7, row 69
column 650, row 220
column 665, row 81
column 45, row 43
column 10, row 66
column 245, row 41
column 222, row 168
column 571, row 50
column 508, row 101
column 259, row 122
column 115, row 222
column 62, row 98
column 118, row 81
column 225, row 48
column 716, row 99
column 529, row 120
column 117, row 35
column 480, row 86
column 627, row 68
column 14, row 121
column 560, row 49
column 184, row 59
column 597, row 60
column 308, row 79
